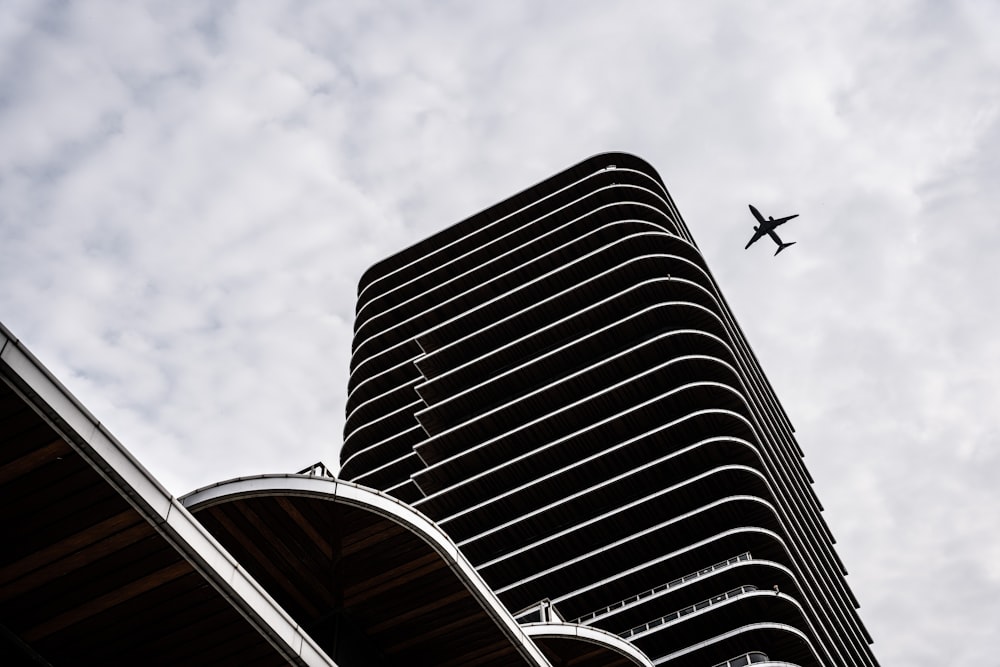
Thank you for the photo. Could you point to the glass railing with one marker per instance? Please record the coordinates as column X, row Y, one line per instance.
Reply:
column 750, row 658
column 317, row 469
column 543, row 611
column 722, row 597
column 659, row 589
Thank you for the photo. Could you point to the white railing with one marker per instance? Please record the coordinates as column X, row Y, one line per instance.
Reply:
column 656, row 622
column 750, row 658
column 659, row 589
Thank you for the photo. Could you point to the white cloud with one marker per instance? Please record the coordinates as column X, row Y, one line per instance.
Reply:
column 189, row 193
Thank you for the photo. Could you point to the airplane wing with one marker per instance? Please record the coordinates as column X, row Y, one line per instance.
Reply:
column 781, row 221
column 757, row 214
column 756, row 237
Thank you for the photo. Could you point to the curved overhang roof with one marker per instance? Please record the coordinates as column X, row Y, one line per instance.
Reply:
column 363, row 556
column 101, row 564
column 584, row 646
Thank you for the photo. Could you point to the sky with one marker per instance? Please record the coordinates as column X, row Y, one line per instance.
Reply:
column 190, row 191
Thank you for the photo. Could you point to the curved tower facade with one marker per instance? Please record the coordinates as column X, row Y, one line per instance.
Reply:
column 558, row 383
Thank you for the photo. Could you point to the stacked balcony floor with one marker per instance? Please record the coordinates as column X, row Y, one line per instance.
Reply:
column 560, row 385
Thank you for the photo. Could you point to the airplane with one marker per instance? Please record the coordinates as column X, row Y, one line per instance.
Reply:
column 767, row 227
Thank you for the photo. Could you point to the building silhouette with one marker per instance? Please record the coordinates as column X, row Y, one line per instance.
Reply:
column 558, row 383
column 559, row 450
column 101, row 565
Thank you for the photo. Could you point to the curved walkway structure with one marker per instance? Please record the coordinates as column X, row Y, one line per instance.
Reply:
column 372, row 580
column 559, row 449
column 584, row 646
column 100, row 565
column 559, row 384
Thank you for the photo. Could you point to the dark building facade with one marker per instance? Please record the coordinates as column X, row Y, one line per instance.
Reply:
column 560, row 450
column 100, row 565
column 558, row 384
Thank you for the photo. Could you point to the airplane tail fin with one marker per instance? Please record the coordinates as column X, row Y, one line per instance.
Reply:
column 782, row 246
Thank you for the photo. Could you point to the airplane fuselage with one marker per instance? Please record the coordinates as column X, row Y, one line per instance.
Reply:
column 767, row 227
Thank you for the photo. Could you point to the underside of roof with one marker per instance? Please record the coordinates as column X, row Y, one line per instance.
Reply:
column 101, row 565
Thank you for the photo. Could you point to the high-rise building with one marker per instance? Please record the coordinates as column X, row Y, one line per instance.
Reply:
column 560, row 450
column 558, row 383
column 100, row 565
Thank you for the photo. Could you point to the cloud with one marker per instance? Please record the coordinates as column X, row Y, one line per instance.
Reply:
column 189, row 193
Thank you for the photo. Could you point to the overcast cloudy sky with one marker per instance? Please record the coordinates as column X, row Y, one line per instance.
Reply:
column 189, row 192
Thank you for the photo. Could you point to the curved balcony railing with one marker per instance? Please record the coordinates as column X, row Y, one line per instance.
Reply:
column 751, row 658
column 656, row 622
column 754, row 658
column 659, row 589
